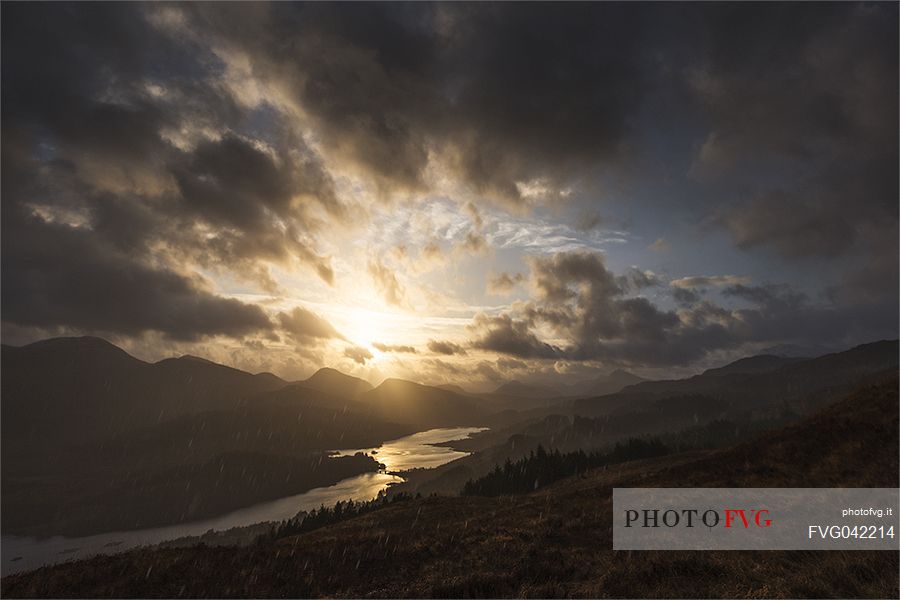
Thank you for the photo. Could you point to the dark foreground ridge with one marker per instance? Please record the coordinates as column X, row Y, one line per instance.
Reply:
column 554, row 542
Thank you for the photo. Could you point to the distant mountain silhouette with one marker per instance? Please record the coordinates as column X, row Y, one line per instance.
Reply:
column 795, row 351
column 606, row 384
column 334, row 382
column 455, row 389
column 82, row 414
column 598, row 386
column 86, row 386
column 754, row 364
column 421, row 405
column 82, row 420
column 564, row 529
column 527, row 390
column 806, row 384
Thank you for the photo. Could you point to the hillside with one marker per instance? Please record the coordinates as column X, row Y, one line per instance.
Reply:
column 78, row 388
column 714, row 409
column 526, row 390
column 420, row 405
column 519, row 396
column 805, row 385
column 762, row 363
column 336, row 383
column 607, row 384
column 96, row 440
column 551, row 543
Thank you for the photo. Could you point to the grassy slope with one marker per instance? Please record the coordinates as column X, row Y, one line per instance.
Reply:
column 555, row 542
column 111, row 443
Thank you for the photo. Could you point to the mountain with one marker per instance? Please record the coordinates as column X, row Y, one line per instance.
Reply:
column 94, row 439
column 474, row 546
column 803, row 385
column 598, row 386
column 606, row 384
column 795, row 351
column 455, row 389
column 754, row 364
column 421, row 405
column 75, row 388
column 527, row 390
column 336, row 383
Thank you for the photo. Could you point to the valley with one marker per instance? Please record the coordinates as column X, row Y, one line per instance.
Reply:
column 548, row 543
column 235, row 453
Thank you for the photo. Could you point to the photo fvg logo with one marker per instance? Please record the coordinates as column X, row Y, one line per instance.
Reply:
column 755, row 518
column 690, row 517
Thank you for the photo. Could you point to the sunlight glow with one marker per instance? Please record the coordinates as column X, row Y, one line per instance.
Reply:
column 365, row 327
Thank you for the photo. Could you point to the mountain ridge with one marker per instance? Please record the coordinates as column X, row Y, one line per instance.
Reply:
column 474, row 546
column 327, row 378
column 829, row 374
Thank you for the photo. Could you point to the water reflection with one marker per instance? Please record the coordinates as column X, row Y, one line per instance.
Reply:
column 25, row 553
column 417, row 451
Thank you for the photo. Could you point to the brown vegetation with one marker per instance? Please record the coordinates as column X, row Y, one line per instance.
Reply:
column 552, row 543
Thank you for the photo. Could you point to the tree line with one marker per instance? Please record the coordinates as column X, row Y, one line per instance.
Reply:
column 541, row 467
column 324, row 515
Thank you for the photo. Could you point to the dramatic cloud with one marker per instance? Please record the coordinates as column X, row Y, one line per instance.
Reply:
column 58, row 276
column 391, row 289
column 445, row 347
column 394, row 89
column 583, row 303
column 636, row 279
column 503, row 334
column 193, row 173
column 114, row 186
column 357, row 354
column 394, row 348
column 504, row 283
column 832, row 114
column 707, row 280
column 685, row 296
column 303, row 324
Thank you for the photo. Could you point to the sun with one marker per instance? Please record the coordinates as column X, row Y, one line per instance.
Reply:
column 366, row 327
column 388, row 335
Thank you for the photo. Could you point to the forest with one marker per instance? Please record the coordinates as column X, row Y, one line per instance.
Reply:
column 541, row 467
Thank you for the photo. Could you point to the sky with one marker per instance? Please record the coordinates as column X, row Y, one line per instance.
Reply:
column 451, row 193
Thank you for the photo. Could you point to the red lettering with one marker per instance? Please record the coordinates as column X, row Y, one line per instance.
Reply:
column 729, row 517
column 759, row 514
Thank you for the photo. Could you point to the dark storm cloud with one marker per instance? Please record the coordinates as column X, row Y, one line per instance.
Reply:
column 503, row 283
column 238, row 188
column 59, row 276
column 685, row 296
column 303, row 324
column 816, row 96
column 507, row 336
column 636, row 279
column 793, row 227
column 587, row 306
column 700, row 281
column 802, row 97
column 58, row 273
column 553, row 277
column 503, row 94
column 127, row 154
column 771, row 297
column 101, row 211
column 445, row 347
